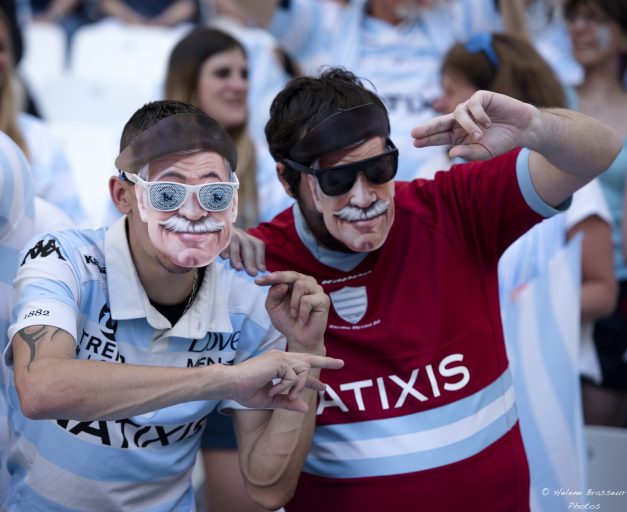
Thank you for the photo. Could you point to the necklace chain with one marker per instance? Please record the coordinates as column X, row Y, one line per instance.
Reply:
column 192, row 295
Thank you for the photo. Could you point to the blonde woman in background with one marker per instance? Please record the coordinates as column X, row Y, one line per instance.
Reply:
column 208, row 68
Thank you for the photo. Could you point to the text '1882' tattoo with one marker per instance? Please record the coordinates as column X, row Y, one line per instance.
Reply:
column 34, row 335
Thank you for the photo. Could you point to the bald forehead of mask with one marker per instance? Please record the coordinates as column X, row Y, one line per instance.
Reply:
column 177, row 134
column 340, row 130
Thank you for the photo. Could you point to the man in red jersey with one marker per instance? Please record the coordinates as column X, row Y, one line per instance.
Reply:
column 422, row 416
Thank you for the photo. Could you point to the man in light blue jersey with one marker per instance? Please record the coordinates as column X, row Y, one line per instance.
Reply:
column 125, row 339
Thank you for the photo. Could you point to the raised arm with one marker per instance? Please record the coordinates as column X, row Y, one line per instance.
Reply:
column 514, row 19
column 118, row 9
column 179, row 12
column 248, row 13
column 273, row 444
column 568, row 148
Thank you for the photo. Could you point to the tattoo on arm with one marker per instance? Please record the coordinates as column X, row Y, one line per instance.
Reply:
column 35, row 334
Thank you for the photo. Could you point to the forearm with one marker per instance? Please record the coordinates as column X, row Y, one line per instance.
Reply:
column 577, row 144
column 261, row 15
column 95, row 390
column 58, row 9
column 180, row 11
column 513, row 15
column 117, row 9
column 274, row 462
column 598, row 299
column 277, row 449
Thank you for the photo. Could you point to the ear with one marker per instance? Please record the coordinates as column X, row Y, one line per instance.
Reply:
column 316, row 193
column 120, row 194
column 280, row 169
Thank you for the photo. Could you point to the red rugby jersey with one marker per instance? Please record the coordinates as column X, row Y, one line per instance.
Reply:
column 422, row 415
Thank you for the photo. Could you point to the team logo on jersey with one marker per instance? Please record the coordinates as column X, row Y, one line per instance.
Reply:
column 350, row 303
column 43, row 250
column 107, row 325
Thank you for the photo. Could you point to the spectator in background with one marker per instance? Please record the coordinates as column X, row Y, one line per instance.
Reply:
column 598, row 30
column 22, row 216
column 160, row 13
column 542, row 22
column 209, row 69
column 510, row 65
column 70, row 15
column 396, row 45
column 52, row 176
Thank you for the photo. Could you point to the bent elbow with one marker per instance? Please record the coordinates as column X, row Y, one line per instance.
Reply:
column 270, row 498
column 32, row 399
column 612, row 298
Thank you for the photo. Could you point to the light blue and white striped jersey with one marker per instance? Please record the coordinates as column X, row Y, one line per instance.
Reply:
column 21, row 216
column 52, row 175
column 84, row 281
column 539, row 287
column 402, row 62
column 541, row 327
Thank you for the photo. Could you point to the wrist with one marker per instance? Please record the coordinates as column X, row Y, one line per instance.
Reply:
column 317, row 349
column 218, row 382
column 539, row 125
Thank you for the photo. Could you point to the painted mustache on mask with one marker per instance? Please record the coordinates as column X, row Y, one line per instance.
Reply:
column 353, row 213
column 178, row 224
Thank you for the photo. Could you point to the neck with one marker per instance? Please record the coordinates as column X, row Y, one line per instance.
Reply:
column 164, row 284
column 601, row 80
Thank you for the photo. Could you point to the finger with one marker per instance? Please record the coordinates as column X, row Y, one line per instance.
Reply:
column 288, row 380
column 464, row 119
column 474, row 151
column 315, row 384
column 315, row 361
column 248, row 254
column 310, row 304
column 276, row 295
column 284, row 276
column 302, row 374
column 436, row 126
column 234, row 253
column 283, row 402
column 260, row 253
column 301, row 288
column 441, row 139
column 476, row 109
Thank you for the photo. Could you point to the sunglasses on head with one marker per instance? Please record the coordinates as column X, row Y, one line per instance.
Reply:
column 167, row 196
column 337, row 180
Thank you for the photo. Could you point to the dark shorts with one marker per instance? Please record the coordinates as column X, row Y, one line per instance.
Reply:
column 610, row 338
column 219, row 433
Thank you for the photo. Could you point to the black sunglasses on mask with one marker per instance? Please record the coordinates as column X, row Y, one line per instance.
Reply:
column 337, row 180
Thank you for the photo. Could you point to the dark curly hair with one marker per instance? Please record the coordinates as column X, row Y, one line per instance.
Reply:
column 307, row 101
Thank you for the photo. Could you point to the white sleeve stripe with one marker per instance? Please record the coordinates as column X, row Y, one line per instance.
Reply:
column 45, row 312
